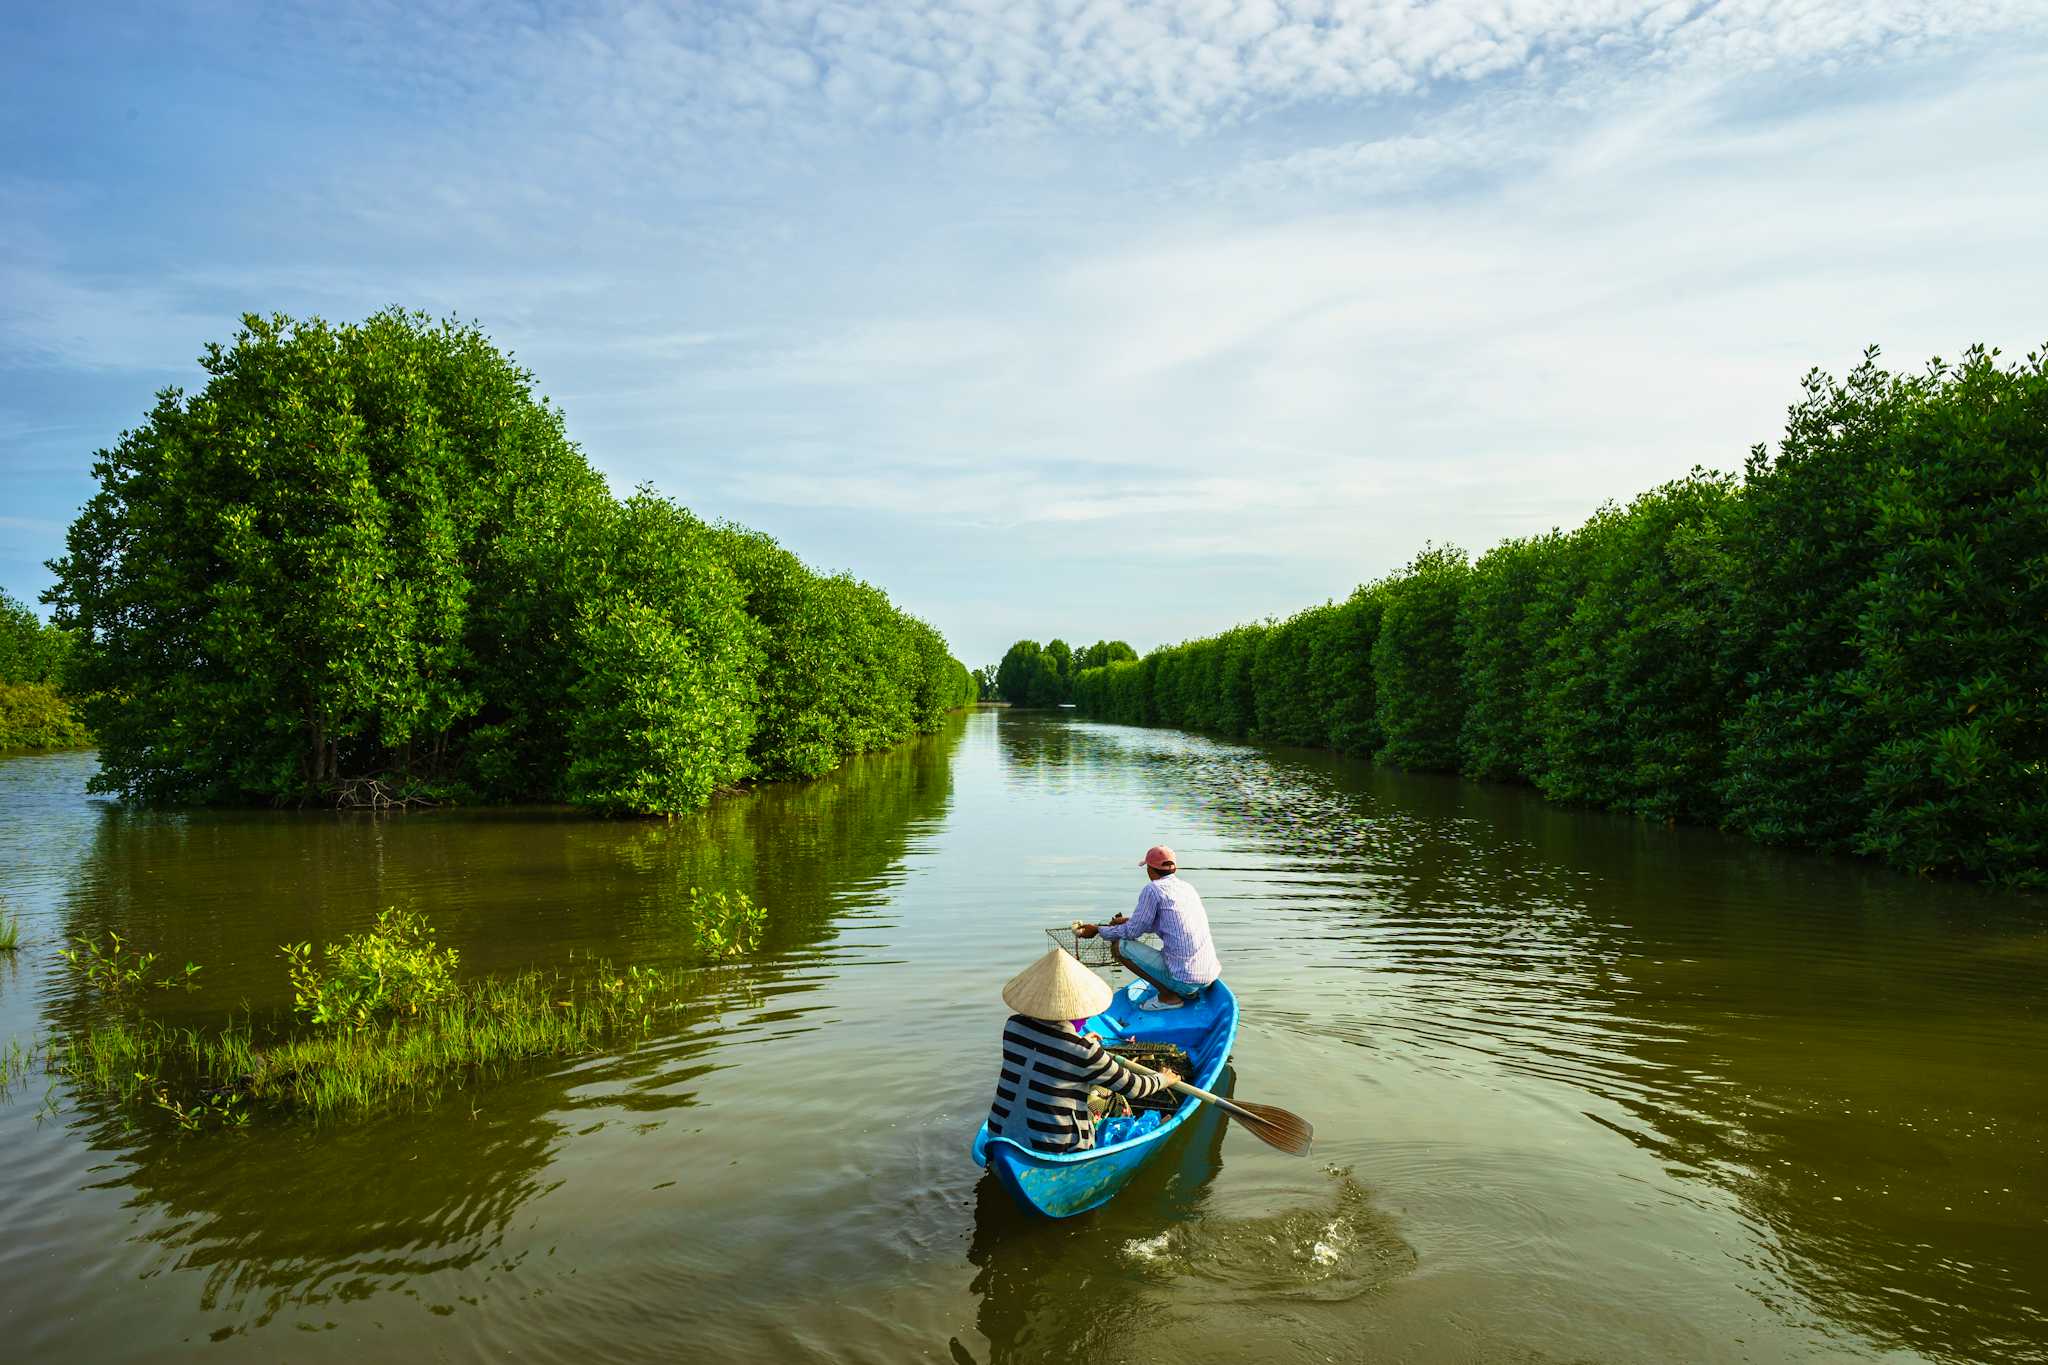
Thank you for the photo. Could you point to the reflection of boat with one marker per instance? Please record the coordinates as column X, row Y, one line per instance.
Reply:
column 1061, row 1185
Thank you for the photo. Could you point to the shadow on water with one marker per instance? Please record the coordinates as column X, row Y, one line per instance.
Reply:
column 1135, row 1280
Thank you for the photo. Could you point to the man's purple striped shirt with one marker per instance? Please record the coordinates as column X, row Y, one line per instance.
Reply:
column 1171, row 909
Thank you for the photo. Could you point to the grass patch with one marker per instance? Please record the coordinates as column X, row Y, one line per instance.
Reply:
column 16, row 1062
column 384, row 1024
column 10, row 932
column 200, row 1078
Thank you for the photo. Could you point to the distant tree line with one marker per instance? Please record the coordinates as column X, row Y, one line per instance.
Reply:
column 1845, row 649
column 33, row 713
column 1035, row 675
column 366, row 563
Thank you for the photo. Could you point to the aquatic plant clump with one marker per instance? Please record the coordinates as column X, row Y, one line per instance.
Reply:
column 116, row 970
column 395, row 969
column 725, row 924
column 390, row 1022
column 472, row 1031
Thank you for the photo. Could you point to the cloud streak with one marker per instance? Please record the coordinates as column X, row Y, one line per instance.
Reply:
column 1181, row 65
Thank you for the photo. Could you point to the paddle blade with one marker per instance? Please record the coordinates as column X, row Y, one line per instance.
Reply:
column 1277, row 1128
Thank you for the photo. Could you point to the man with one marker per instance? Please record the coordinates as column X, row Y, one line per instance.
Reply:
column 1048, row 1069
column 1170, row 908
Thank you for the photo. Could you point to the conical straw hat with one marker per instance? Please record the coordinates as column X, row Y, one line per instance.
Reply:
column 1057, row 987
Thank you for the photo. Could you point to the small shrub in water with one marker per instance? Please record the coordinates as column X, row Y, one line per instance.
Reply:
column 395, row 969
column 726, row 924
column 112, row 968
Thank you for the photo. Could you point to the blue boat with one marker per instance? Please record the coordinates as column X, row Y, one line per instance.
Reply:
column 1062, row 1185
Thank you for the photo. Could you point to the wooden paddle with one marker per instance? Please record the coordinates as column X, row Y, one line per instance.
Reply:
column 1270, row 1124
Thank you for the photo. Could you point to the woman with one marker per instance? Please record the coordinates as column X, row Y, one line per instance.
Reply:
column 1048, row 1068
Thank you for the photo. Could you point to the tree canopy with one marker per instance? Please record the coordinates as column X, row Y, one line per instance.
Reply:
column 1043, row 675
column 368, row 557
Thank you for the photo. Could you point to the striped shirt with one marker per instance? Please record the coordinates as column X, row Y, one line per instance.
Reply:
column 1042, row 1094
column 1170, row 908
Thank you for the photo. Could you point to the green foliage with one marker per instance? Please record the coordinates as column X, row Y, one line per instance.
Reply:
column 725, row 924
column 116, row 970
column 34, row 716
column 211, row 1079
column 1415, row 662
column 33, row 661
column 396, row 969
column 1048, row 675
column 1027, row 676
column 1635, row 694
column 368, row 558
column 1798, row 739
column 1059, row 657
column 1847, row 650
column 391, row 1024
column 1120, row 691
column 1102, row 653
column 1341, row 673
column 1502, row 627
column 10, row 931
column 270, row 588
column 30, row 652
column 1953, row 637
column 1287, row 711
column 664, row 700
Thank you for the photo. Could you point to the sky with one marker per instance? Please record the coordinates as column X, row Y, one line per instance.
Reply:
column 1077, row 318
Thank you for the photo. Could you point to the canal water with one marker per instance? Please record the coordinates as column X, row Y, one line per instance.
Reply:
column 1584, row 1090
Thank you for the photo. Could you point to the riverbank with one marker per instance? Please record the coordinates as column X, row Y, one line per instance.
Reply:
column 1841, row 650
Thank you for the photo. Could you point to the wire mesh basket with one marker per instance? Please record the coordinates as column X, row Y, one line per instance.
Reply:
column 1089, row 952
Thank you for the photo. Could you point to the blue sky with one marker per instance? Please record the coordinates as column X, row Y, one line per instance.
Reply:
column 1079, row 317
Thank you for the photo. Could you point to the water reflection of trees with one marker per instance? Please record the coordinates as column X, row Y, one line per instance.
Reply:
column 284, row 1217
column 283, row 1220
column 1841, row 1050
column 1044, row 740
column 811, row 852
column 510, row 888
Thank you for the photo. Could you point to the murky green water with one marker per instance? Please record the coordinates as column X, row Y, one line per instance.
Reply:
column 1584, row 1091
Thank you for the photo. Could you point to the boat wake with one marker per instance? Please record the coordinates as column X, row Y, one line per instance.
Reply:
column 1324, row 1254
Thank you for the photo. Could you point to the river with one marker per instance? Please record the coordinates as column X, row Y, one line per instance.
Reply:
column 1584, row 1090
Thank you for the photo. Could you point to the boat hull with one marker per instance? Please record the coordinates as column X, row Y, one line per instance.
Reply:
column 1060, row 1186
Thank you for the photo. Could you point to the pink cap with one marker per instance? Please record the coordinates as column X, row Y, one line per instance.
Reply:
column 1161, row 857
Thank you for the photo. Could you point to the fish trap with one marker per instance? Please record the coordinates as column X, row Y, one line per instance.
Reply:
column 1155, row 1056
column 1090, row 952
